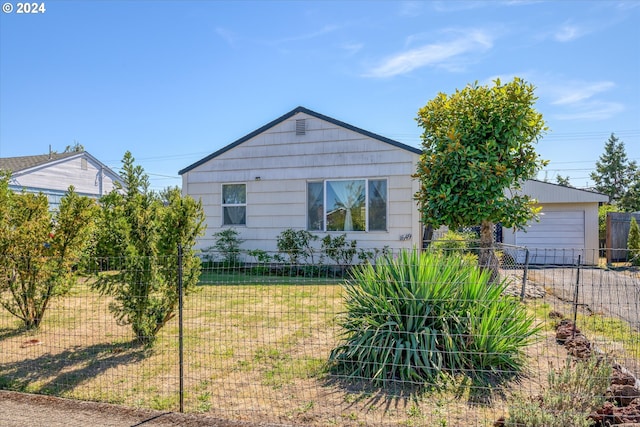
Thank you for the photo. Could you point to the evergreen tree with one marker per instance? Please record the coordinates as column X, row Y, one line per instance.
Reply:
column 614, row 172
column 633, row 242
column 145, row 228
column 563, row 180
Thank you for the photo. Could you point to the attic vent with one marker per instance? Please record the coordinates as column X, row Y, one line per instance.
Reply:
column 301, row 127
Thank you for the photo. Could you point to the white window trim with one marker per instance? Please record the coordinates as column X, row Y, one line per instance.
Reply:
column 366, row 203
column 229, row 205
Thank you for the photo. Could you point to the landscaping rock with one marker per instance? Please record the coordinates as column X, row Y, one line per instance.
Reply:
column 622, row 378
column 565, row 330
column 578, row 346
column 624, row 394
column 604, row 414
column 627, row 414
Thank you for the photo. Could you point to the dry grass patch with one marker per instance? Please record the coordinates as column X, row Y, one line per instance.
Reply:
column 252, row 352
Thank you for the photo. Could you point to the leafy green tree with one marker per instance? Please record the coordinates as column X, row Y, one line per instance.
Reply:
column 39, row 250
column 602, row 219
column 479, row 145
column 147, row 229
column 633, row 242
column 563, row 180
column 614, row 172
column 630, row 201
column 75, row 148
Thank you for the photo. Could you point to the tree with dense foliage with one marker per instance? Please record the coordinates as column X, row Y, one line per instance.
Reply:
column 630, row 201
column 614, row 172
column 603, row 210
column 145, row 229
column 478, row 148
column 563, row 180
column 39, row 250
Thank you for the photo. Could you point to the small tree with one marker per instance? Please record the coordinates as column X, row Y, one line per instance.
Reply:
column 563, row 180
column 479, row 145
column 633, row 243
column 39, row 250
column 227, row 246
column 147, row 229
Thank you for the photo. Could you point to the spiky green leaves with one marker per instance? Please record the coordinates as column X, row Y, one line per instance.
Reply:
column 420, row 317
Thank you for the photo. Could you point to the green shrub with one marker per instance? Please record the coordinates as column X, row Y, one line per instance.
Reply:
column 296, row 244
column 633, row 242
column 573, row 393
column 456, row 242
column 227, row 247
column 339, row 249
column 421, row 317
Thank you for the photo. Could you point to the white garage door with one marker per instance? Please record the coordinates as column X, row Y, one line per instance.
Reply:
column 557, row 239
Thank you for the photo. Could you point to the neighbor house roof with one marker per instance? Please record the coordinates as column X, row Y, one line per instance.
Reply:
column 24, row 164
column 289, row 115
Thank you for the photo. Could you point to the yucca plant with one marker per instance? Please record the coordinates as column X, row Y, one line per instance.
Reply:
column 421, row 317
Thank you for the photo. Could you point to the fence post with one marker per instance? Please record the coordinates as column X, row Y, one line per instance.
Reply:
column 575, row 299
column 524, row 274
column 180, row 331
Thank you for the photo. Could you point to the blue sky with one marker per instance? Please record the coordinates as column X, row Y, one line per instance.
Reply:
column 173, row 81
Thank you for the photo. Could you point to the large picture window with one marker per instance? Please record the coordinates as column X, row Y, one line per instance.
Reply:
column 347, row 205
column 234, row 204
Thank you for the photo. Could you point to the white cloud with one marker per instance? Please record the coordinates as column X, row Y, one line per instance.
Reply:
column 569, row 32
column 580, row 100
column 352, row 48
column 576, row 92
column 442, row 54
column 410, row 8
column 593, row 110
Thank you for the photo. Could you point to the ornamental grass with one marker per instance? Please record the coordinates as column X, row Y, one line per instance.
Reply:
column 424, row 317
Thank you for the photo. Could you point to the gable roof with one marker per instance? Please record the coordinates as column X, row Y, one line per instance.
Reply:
column 289, row 115
column 24, row 164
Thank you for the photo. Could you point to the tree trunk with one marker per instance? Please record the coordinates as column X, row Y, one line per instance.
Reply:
column 487, row 259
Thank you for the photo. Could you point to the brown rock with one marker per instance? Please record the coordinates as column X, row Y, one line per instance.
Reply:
column 628, row 414
column 624, row 394
column 578, row 346
column 565, row 330
column 622, row 378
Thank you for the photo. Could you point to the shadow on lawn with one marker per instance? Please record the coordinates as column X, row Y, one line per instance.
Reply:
column 61, row 372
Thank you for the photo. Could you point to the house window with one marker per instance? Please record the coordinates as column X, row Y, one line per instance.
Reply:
column 347, row 205
column 234, row 204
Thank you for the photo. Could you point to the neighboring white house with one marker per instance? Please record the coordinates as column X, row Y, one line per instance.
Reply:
column 567, row 227
column 308, row 171
column 52, row 174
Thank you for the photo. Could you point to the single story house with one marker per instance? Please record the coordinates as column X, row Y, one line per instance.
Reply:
column 305, row 170
column 53, row 173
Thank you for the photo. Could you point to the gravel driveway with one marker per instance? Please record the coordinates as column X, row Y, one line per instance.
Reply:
column 612, row 293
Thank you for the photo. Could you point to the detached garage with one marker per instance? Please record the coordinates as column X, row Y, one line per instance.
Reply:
column 568, row 225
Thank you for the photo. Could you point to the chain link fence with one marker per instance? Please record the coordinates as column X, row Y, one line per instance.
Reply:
column 252, row 343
